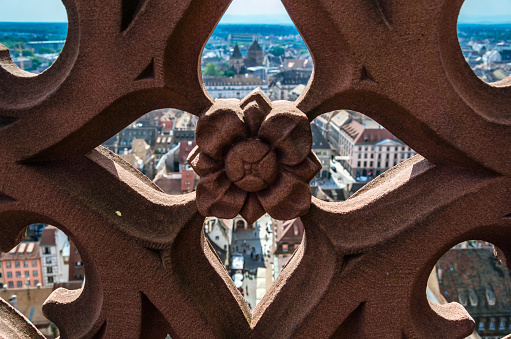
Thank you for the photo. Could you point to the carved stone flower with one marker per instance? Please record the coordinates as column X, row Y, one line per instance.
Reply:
column 254, row 156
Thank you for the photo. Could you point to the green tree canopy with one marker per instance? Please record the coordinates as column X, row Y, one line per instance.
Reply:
column 277, row 50
column 228, row 73
column 36, row 62
column 46, row 50
column 212, row 70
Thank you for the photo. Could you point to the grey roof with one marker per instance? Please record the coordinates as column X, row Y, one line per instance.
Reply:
column 318, row 140
column 236, row 54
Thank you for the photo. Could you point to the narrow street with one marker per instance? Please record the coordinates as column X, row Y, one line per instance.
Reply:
column 256, row 247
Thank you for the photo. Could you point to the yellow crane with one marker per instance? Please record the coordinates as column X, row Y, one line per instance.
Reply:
column 20, row 50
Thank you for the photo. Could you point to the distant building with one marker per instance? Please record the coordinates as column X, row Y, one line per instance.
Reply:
column 323, row 151
column 55, row 248
column 255, row 55
column 258, row 72
column 475, row 278
column 242, row 38
column 287, row 238
column 238, row 88
column 76, row 267
column 164, row 143
column 367, row 148
column 296, row 92
column 37, row 45
column 219, row 234
column 188, row 181
column 123, row 141
column 21, row 266
column 492, row 57
column 185, row 147
column 236, row 60
column 240, row 224
column 284, row 82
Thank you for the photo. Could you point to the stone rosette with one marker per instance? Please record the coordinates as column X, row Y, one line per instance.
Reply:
column 254, row 156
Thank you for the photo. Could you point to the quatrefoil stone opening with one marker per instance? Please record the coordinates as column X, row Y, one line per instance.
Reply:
column 254, row 156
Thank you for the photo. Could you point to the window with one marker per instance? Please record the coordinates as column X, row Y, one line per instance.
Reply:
column 11, row 284
column 285, row 247
column 25, row 264
column 36, row 282
column 48, row 260
column 492, row 325
column 49, row 270
column 0, row 274
column 502, row 324
column 18, row 274
column 79, row 264
column 16, row 264
column 358, row 164
column 9, row 274
column 27, row 273
column 34, row 263
column 481, row 326
column 28, row 282
column 8, row 264
column 46, row 250
column 35, row 273
column 50, row 280
column 19, row 284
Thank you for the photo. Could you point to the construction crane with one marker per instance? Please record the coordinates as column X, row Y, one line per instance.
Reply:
column 20, row 50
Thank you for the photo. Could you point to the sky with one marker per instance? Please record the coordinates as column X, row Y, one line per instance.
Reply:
column 250, row 11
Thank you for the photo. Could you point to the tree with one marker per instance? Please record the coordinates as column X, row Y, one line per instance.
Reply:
column 36, row 62
column 27, row 52
column 212, row 70
column 228, row 73
column 45, row 50
column 277, row 50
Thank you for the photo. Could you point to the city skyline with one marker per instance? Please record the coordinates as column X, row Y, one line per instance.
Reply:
column 241, row 11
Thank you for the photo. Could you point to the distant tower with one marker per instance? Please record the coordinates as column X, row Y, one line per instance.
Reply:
column 255, row 55
column 236, row 60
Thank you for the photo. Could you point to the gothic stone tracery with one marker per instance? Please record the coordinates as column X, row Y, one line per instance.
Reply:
column 364, row 263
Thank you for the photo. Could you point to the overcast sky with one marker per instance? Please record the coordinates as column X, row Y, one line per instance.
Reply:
column 53, row 10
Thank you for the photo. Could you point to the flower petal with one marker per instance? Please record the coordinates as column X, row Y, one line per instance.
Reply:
column 202, row 163
column 269, row 167
column 307, row 169
column 256, row 107
column 220, row 127
column 218, row 196
column 287, row 199
column 288, row 130
column 252, row 210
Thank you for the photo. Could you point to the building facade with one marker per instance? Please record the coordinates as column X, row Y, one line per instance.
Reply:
column 21, row 266
column 366, row 148
column 54, row 249
column 237, row 88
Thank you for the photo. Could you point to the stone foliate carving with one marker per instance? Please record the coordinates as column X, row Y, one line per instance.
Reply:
column 254, row 156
